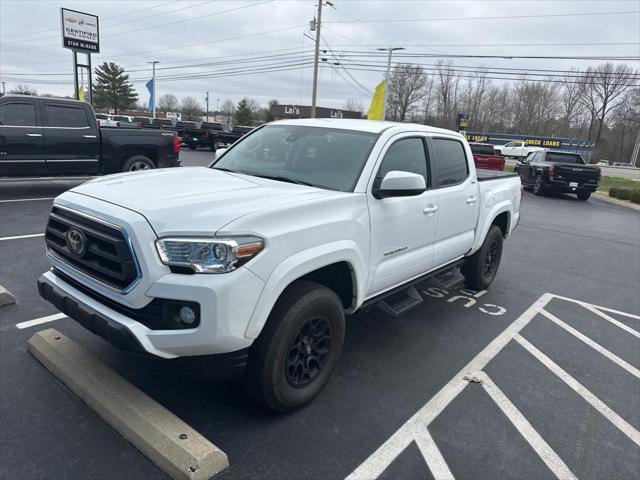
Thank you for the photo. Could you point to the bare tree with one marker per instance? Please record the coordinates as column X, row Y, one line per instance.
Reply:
column 608, row 84
column 447, row 81
column 227, row 109
column 353, row 105
column 406, row 91
column 190, row 108
column 168, row 103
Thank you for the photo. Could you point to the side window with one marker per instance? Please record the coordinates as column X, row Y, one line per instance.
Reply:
column 18, row 114
column 65, row 116
column 406, row 155
column 450, row 161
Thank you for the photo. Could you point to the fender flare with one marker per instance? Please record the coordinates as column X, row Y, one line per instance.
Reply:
column 301, row 264
column 499, row 208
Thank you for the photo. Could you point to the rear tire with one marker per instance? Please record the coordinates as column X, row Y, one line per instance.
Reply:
column 292, row 359
column 480, row 269
column 583, row 195
column 537, row 185
column 138, row 162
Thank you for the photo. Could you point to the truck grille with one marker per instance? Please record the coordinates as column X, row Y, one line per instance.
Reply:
column 96, row 249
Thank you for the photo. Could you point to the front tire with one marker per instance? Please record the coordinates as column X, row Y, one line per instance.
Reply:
column 296, row 352
column 537, row 185
column 480, row 269
column 138, row 162
column 583, row 195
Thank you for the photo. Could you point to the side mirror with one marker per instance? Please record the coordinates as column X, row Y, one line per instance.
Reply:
column 400, row 184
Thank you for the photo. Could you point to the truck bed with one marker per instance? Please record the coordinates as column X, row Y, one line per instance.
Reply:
column 485, row 175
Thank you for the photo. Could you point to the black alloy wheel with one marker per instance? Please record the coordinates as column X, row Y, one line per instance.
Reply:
column 308, row 352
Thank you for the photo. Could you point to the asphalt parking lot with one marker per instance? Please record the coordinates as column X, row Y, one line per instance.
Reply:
column 552, row 352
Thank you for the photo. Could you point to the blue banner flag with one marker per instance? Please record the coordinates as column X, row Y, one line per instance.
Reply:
column 152, row 100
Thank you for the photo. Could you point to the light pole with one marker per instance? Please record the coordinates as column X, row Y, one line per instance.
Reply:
column 153, row 84
column 387, row 78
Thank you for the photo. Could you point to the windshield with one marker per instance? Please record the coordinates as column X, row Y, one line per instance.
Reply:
column 482, row 149
column 564, row 158
column 322, row 157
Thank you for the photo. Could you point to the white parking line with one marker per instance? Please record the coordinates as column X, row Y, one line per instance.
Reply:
column 40, row 321
column 416, row 428
column 26, row 199
column 596, row 346
column 595, row 402
column 389, row 450
column 18, row 237
column 530, row 434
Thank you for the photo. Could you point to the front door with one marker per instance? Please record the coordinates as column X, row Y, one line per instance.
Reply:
column 402, row 228
column 459, row 200
column 72, row 141
column 21, row 138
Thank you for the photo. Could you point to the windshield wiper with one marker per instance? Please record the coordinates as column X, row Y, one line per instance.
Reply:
column 283, row 179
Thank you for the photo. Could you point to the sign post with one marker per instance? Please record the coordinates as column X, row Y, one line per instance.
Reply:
column 80, row 33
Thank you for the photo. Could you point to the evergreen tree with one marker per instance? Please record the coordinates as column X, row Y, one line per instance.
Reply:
column 245, row 112
column 113, row 88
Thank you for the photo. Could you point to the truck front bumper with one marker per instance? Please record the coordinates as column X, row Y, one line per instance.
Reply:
column 217, row 344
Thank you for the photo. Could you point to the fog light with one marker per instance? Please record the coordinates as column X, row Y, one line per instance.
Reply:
column 187, row 315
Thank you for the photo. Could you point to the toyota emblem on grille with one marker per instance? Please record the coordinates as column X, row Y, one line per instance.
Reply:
column 76, row 241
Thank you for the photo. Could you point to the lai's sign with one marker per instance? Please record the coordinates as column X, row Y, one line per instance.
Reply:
column 80, row 31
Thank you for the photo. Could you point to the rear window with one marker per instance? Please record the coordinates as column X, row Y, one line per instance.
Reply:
column 482, row 149
column 450, row 161
column 564, row 158
column 18, row 114
column 66, row 116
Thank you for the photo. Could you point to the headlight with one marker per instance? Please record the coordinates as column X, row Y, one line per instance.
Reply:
column 209, row 255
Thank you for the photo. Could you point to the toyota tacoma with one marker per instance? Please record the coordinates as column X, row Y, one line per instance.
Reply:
column 250, row 266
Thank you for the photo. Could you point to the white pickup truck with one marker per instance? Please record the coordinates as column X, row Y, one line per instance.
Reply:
column 250, row 265
column 517, row 149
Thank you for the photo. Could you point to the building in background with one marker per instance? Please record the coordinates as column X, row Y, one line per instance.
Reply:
column 283, row 112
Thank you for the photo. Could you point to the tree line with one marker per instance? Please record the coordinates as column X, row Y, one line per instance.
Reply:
column 600, row 104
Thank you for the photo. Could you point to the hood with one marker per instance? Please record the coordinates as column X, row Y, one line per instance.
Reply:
column 195, row 200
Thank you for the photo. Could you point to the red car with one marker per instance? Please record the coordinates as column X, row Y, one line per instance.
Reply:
column 485, row 157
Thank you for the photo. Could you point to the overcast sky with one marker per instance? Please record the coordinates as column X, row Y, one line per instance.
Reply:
column 187, row 32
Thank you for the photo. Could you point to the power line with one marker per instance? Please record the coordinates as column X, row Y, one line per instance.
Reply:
column 443, row 19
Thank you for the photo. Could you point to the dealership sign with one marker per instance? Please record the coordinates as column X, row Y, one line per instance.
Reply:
column 80, row 31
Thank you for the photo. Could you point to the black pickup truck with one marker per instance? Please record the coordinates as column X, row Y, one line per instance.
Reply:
column 554, row 171
column 52, row 136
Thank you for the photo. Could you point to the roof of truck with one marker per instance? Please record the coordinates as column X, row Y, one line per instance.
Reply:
column 373, row 126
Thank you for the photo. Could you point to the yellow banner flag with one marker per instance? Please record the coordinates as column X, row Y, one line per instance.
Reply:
column 377, row 102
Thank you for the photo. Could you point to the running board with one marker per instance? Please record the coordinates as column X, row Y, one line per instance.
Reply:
column 449, row 279
column 400, row 302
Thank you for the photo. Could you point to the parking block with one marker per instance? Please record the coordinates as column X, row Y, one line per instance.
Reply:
column 5, row 297
column 172, row 445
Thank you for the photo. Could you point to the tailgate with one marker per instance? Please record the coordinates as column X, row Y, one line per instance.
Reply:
column 576, row 173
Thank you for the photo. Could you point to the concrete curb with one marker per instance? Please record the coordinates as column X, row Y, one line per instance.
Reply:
column 172, row 445
column 5, row 297
column 615, row 201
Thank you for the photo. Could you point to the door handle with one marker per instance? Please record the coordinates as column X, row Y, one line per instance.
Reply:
column 472, row 200
column 34, row 134
column 431, row 209
column 89, row 136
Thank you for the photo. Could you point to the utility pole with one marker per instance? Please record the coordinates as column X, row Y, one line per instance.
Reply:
column 153, row 83
column 316, row 59
column 207, row 106
column 387, row 78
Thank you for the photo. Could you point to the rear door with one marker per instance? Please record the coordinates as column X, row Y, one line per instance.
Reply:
column 72, row 142
column 21, row 138
column 459, row 204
